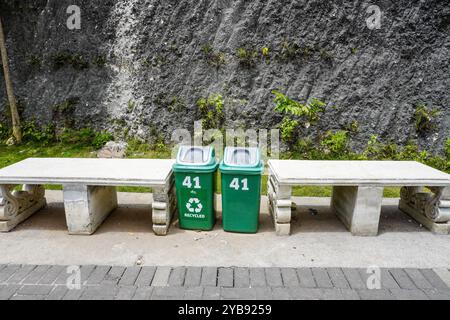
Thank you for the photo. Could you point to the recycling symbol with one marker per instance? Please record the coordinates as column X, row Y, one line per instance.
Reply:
column 194, row 205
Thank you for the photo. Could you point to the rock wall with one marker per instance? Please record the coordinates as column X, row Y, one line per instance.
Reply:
column 137, row 67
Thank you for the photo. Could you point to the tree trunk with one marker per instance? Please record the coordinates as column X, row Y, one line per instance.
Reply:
column 17, row 132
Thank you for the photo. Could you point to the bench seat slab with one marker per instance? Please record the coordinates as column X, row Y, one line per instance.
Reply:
column 87, row 207
column 17, row 206
column 359, row 208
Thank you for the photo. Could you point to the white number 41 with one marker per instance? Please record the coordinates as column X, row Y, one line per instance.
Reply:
column 236, row 186
column 188, row 182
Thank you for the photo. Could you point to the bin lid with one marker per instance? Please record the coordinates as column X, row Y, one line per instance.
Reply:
column 248, row 159
column 196, row 157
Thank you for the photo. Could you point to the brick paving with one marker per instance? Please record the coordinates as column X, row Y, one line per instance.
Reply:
column 31, row 282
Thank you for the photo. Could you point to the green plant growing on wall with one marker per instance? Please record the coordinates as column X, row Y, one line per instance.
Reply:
column 160, row 60
column 99, row 61
column 311, row 110
column 213, row 57
column 288, row 128
column 64, row 111
column 67, row 106
column 34, row 61
column 307, row 52
column 64, row 59
column 211, row 111
column 352, row 126
column 145, row 62
column 289, row 51
column 246, row 57
column 325, row 55
column 265, row 52
column 380, row 151
column 336, row 143
column 424, row 118
column 172, row 104
column 159, row 144
column 131, row 105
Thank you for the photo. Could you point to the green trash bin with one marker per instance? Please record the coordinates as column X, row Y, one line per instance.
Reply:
column 195, row 173
column 241, row 172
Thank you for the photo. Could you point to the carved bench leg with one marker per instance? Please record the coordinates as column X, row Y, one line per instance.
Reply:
column 430, row 209
column 359, row 208
column 87, row 207
column 164, row 207
column 280, row 206
column 17, row 206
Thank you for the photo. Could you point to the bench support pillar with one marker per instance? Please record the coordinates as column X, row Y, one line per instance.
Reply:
column 87, row 207
column 164, row 207
column 17, row 206
column 281, row 207
column 430, row 209
column 359, row 208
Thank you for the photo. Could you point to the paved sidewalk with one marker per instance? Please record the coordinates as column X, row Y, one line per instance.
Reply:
column 18, row 282
column 319, row 239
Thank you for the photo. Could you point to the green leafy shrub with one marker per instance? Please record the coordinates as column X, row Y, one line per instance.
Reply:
column 5, row 132
column 247, row 58
column 82, row 137
column 424, row 118
column 306, row 149
column 310, row 110
column 411, row 152
column 85, row 137
column 336, row 143
column 211, row 111
column 101, row 138
column 379, row 151
column 136, row 147
column 291, row 108
column 376, row 150
column 288, row 128
column 31, row 132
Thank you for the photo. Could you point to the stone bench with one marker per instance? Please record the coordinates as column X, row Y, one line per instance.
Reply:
column 358, row 191
column 89, row 188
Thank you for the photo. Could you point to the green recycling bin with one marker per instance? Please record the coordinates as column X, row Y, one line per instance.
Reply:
column 195, row 172
column 241, row 172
